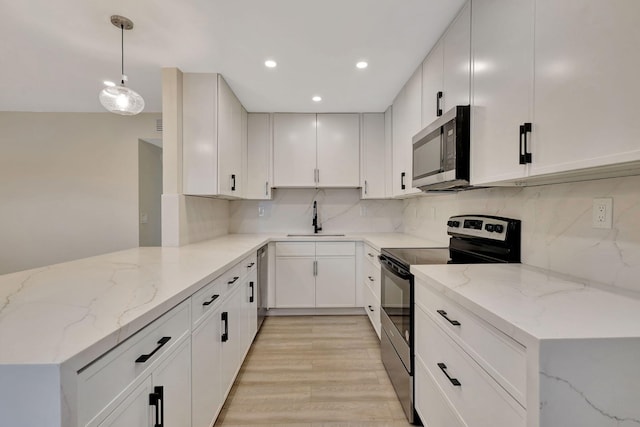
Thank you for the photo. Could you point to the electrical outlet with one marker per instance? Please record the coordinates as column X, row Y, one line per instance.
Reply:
column 602, row 213
column 260, row 210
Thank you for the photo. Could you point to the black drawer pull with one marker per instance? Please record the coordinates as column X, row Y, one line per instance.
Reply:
column 371, row 278
column 371, row 308
column 370, row 254
column 146, row 357
column 251, row 265
column 157, row 399
column 231, row 282
column 443, row 368
column 225, row 318
column 444, row 314
column 213, row 298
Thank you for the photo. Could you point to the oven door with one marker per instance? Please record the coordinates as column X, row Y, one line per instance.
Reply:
column 396, row 299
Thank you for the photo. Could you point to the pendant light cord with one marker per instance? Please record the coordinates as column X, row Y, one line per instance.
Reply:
column 122, row 50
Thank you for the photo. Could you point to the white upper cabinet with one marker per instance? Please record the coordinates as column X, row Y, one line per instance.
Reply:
column 502, row 74
column 316, row 150
column 406, row 122
column 457, row 61
column 338, row 150
column 258, row 171
column 294, row 150
column 446, row 72
column 433, row 85
column 587, row 59
column 375, row 164
column 212, row 137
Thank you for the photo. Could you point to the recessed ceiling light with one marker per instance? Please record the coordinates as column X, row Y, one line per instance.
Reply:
column 270, row 63
column 362, row 64
column 317, row 98
column 109, row 83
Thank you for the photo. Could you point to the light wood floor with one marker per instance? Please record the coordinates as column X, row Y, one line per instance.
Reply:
column 312, row 371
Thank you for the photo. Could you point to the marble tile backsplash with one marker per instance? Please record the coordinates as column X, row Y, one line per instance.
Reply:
column 339, row 211
column 557, row 232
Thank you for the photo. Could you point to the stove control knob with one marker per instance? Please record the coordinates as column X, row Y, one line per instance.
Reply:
column 456, row 223
column 489, row 228
column 449, row 223
column 498, row 228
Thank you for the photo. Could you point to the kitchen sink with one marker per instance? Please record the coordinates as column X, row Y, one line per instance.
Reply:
column 315, row 235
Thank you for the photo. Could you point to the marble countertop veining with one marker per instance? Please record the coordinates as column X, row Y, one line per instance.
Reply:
column 75, row 311
column 532, row 304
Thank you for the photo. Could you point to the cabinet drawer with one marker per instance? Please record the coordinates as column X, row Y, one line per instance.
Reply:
column 431, row 405
column 372, row 255
column 335, row 248
column 371, row 276
column 372, row 307
column 478, row 398
column 232, row 276
column 295, row 249
column 501, row 356
column 100, row 382
column 206, row 299
column 249, row 264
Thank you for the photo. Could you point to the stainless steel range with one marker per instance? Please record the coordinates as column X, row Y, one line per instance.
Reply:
column 474, row 239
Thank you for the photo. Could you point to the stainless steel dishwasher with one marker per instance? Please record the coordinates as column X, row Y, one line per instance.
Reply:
column 263, row 283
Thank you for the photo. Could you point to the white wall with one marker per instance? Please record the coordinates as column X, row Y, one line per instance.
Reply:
column 68, row 185
column 339, row 210
column 556, row 226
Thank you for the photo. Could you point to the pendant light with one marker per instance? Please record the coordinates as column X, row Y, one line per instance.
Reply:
column 120, row 99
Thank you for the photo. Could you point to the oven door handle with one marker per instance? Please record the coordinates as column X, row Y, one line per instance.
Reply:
column 388, row 267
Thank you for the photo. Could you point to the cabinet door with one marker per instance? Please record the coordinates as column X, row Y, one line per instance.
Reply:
column 229, row 140
column 586, row 84
column 457, row 61
column 258, row 181
column 206, row 361
column 407, row 120
column 230, row 353
column 133, row 410
column 374, row 161
column 294, row 150
column 200, row 133
column 174, row 376
column 338, row 146
column 502, row 72
column 295, row 282
column 336, row 282
column 432, row 83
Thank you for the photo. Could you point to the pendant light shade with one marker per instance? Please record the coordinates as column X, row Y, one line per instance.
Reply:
column 120, row 99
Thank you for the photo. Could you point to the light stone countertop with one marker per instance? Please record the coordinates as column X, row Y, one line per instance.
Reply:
column 531, row 304
column 76, row 311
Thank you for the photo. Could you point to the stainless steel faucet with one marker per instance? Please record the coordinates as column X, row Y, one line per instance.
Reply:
column 316, row 226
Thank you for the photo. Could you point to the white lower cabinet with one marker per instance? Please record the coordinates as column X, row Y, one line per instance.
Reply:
column 431, row 405
column 134, row 409
column 206, row 360
column 371, row 287
column 315, row 274
column 372, row 308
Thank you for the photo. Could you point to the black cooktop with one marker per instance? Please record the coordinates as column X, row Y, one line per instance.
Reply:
column 418, row 256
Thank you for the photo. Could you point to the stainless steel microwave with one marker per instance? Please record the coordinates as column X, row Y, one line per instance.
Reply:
column 441, row 152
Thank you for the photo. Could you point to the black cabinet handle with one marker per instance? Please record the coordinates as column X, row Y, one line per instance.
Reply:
column 443, row 368
column 525, row 156
column 444, row 314
column 251, row 265
column 157, row 399
column 225, row 318
column 370, row 254
column 233, row 182
column 438, row 108
column 371, row 308
column 213, row 298
column 146, row 357
column 232, row 281
column 252, row 290
column 402, row 186
column 371, row 278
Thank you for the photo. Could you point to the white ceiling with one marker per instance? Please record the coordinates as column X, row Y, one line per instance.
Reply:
column 55, row 54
